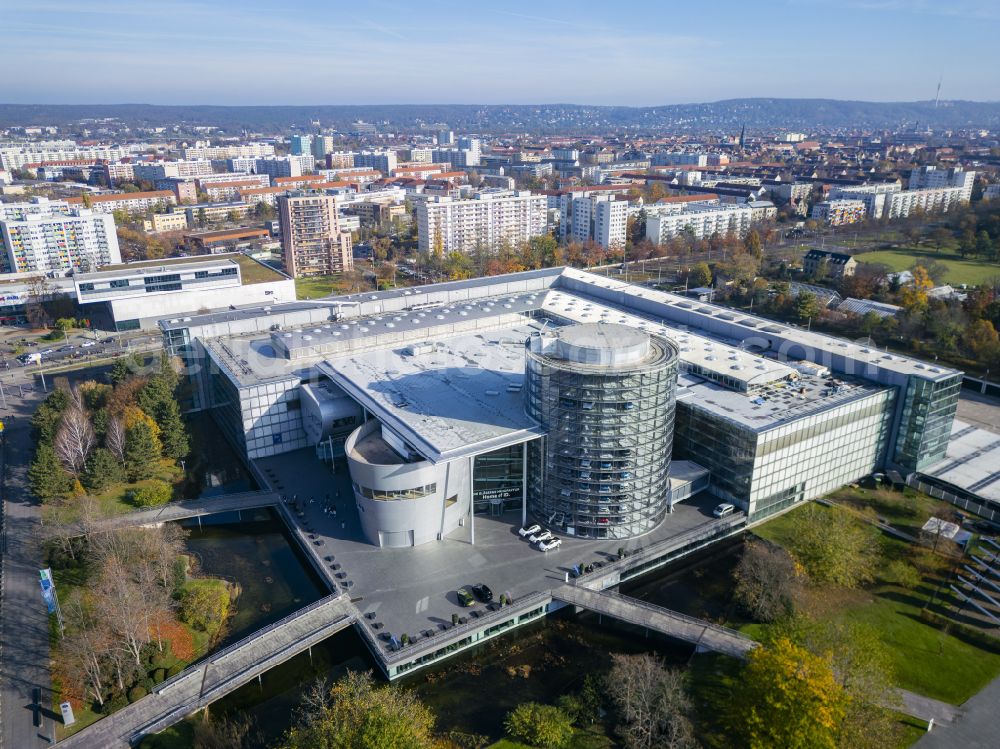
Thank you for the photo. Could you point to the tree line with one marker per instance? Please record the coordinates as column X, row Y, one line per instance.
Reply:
column 98, row 435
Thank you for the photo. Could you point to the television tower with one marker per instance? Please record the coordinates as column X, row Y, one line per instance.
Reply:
column 937, row 94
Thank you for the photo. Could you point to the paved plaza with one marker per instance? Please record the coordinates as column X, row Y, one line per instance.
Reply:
column 412, row 590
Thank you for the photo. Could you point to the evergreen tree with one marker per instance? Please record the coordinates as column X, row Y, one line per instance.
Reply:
column 45, row 421
column 142, row 450
column 102, row 470
column 46, row 474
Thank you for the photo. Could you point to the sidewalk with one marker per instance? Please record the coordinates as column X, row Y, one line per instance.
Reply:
column 975, row 727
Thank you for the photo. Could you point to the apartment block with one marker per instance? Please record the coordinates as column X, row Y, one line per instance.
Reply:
column 300, row 145
column 56, row 237
column 383, row 161
column 487, row 220
column 311, row 237
column 839, row 212
column 130, row 202
column 243, row 151
column 162, row 169
column 600, row 218
column 931, row 177
column 700, row 220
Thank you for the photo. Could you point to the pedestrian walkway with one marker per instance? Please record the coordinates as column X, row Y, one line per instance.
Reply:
column 219, row 674
column 672, row 623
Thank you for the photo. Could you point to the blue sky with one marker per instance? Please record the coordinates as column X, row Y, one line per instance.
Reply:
column 508, row 51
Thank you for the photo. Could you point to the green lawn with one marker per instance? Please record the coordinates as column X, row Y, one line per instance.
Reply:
column 972, row 272
column 312, row 287
column 906, row 511
column 927, row 660
column 115, row 501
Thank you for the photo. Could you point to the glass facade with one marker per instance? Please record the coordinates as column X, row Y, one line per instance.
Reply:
column 264, row 419
column 602, row 469
column 925, row 423
column 498, row 479
column 767, row 471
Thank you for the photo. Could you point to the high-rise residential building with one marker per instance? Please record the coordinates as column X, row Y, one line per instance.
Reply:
column 311, row 236
column 599, row 218
column 680, row 158
column 284, row 166
column 488, row 220
column 301, row 144
column 383, row 161
column 873, row 195
column 565, row 202
column 321, row 146
column 475, row 148
column 56, row 237
column 445, row 138
column 930, row 177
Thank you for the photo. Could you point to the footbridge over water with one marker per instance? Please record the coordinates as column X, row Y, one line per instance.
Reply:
column 702, row 634
column 183, row 510
column 218, row 675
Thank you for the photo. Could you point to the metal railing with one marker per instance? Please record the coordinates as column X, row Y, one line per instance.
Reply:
column 215, row 657
column 445, row 637
column 979, row 505
column 638, row 603
column 666, row 546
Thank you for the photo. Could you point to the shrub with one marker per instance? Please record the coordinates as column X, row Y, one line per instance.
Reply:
column 901, row 573
column 159, row 675
column 154, row 493
column 205, row 607
column 136, row 693
column 544, row 726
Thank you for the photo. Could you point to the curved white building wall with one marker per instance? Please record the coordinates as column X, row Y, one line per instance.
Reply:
column 405, row 504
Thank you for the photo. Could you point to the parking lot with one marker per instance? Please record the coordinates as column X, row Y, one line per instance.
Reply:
column 414, row 590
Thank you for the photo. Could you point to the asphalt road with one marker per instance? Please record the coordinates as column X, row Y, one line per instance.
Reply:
column 24, row 627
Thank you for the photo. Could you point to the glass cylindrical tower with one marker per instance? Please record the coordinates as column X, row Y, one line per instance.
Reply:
column 605, row 394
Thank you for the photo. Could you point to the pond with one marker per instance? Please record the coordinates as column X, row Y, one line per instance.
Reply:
column 259, row 554
column 470, row 693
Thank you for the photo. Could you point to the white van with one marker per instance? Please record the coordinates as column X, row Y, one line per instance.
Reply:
column 724, row 509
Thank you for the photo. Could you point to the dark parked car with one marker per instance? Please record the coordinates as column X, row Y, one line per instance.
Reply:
column 483, row 593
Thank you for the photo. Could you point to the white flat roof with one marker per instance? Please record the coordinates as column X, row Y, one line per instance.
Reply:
column 463, row 397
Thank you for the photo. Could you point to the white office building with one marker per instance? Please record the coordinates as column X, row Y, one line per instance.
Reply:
column 487, row 220
column 56, row 237
column 139, row 294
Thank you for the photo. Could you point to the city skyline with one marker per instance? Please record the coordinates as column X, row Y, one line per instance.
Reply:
column 588, row 53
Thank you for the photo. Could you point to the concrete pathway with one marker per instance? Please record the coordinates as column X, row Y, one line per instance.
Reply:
column 926, row 708
column 975, row 727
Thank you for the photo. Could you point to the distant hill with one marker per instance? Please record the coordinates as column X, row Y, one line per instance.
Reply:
column 721, row 116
